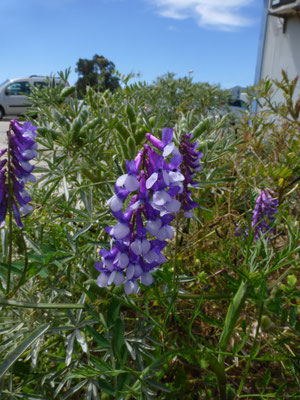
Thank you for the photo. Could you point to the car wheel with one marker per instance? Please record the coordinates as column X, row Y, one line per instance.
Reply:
column 1, row 113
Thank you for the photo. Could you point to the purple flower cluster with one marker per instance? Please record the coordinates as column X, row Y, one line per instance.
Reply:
column 263, row 214
column 22, row 149
column 191, row 164
column 154, row 188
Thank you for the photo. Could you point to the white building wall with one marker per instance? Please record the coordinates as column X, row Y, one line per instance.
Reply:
column 281, row 50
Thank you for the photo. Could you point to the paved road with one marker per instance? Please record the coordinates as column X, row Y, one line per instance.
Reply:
column 4, row 124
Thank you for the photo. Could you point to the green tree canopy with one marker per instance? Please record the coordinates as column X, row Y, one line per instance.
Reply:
column 97, row 73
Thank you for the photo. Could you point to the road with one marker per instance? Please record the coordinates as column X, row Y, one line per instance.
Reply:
column 4, row 124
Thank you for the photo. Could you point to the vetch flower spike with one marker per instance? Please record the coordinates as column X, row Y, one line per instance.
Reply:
column 190, row 165
column 155, row 187
column 18, row 170
column 264, row 213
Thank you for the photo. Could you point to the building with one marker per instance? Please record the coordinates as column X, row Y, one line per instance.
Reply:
column 279, row 46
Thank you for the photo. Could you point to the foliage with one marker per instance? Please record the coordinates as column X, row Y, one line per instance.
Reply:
column 168, row 96
column 222, row 317
column 97, row 73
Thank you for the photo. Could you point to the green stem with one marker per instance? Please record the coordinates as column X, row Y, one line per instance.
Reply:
column 20, row 304
column 253, row 351
column 232, row 316
column 175, row 277
column 22, row 279
column 212, row 296
column 9, row 205
column 220, row 375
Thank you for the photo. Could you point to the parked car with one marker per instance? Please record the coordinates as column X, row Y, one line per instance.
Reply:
column 238, row 106
column 13, row 99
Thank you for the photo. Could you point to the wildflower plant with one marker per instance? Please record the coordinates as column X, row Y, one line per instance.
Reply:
column 154, row 189
column 263, row 214
column 211, row 318
column 16, row 170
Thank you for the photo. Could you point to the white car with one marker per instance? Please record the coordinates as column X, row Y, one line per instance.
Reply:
column 13, row 99
column 238, row 107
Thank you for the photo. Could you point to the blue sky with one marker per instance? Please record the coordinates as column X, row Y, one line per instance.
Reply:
column 216, row 39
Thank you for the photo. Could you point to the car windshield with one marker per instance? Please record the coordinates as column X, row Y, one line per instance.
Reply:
column 6, row 80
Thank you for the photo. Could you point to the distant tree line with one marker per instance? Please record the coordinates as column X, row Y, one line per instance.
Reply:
column 97, row 73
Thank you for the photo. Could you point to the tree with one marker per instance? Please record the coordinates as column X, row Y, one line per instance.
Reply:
column 97, row 73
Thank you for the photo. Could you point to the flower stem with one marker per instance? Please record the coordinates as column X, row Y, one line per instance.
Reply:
column 254, row 350
column 175, row 276
column 9, row 201
column 22, row 279
column 232, row 316
column 43, row 306
column 220, row 375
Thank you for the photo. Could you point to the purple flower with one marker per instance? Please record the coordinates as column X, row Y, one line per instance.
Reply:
column 165, row 145
column 22, row 149
column 139, row 236
column 190, row 165
column 155, row 188
column 263, row 214
column 129, row 180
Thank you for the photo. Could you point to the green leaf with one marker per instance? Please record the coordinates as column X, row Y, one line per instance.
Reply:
column 14, row 269
column 131, row 147
column 45, row 306
column 118, row 335
column 100, row 339
column 124, row 132
column 70, row 240
column 47, row 131
column 100, row 364
column 82, row 230
column 21, row 348
column 201, row 127
column 90, row 125
column 131, row 114
column 84, row 372
column 232, row 316
column 106, row 387
column 94, row 313
column 158, row 386
column 67, row 91
column 293, row 316
column 140, row 134
column 291, row 280
column 28, row 396
column 74, row 390
column 113, row 312
column 122, row 146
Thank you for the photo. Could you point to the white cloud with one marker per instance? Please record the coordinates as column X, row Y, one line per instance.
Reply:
column 222, row 14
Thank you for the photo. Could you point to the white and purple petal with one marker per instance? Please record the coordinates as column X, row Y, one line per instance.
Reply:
column 151, row 180
column 102, row 280
column 161, row 198
column 121, row 180
column 120, row 231
column 119, row 278
column 131, row 183
column 115, row 203
column 173, row 206
column 146, row 278
column 136, row 247
column 153, row 226
column 169, row 148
